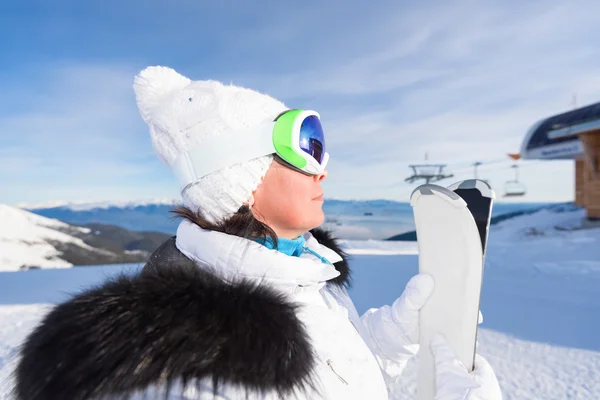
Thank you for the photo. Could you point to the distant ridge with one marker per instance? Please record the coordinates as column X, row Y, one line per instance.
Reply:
column 411, row 236
column 87, row 205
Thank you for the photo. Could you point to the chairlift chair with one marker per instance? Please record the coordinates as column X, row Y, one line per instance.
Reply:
column 514, row 188
column 428, row 172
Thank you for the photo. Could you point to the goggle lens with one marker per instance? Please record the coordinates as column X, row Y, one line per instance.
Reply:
column 312, row 139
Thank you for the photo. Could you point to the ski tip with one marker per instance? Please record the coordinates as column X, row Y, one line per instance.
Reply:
column 439, row 191
column 484, row 188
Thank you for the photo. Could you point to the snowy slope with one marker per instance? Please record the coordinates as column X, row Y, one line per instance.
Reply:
column 14, row 321
column 529, row 370
column 540, row 301
column 25, row 239
column 28, row 240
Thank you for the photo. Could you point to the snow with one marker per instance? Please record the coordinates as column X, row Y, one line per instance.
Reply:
column 378, row 247
column 25, row 239
column 530, row 370
column 540, row 302
column 137, row 252
column 542, row 222
column 16, row 320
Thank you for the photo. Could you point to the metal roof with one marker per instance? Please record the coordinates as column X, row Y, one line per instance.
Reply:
column 556, row 137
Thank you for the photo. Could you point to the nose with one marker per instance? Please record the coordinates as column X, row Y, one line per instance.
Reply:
column 322, row 176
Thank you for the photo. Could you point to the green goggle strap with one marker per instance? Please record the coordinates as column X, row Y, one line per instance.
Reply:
column 282, row 138
column 247, row 144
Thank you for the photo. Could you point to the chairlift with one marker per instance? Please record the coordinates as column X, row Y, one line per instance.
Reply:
column 514, row 188
column 428, row 172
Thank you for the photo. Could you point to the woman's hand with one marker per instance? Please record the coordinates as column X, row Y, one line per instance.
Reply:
column 454, row 382
column 405, row 310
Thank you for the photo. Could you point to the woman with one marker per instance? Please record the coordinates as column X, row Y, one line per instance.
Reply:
column 249, row 299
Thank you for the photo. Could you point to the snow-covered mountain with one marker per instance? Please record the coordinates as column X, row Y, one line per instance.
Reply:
column 87, row 205
column 348, row 219
column 28, row 241
column 143, row 215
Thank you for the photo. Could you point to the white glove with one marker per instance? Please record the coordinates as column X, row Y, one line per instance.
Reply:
column 395, row 328
column 454, row 382
column 405, row 310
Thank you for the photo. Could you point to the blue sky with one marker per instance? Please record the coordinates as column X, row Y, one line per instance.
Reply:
column 393, row 80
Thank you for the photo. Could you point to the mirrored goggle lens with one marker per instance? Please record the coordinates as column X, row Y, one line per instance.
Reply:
column 312, row 140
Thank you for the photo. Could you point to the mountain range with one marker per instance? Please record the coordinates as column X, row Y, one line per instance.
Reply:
column 154, row 215
column 29, row 241
column 137, row 216
column 348, row 219
column 67, row 234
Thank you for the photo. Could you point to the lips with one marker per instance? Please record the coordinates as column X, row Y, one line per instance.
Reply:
column 319, row 197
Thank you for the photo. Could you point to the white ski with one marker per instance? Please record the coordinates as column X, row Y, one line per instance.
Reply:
column 451, row 249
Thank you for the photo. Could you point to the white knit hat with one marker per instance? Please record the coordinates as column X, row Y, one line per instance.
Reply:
column 182, row 113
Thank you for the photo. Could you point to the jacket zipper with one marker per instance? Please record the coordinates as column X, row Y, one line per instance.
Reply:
column 330, row 364
column 331, row 308
column 330, row 361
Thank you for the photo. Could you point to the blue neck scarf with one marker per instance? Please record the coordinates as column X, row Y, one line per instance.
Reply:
column 291, row 247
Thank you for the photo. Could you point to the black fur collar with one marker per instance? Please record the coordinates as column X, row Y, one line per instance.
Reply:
column 326, row 239
column 171, row 322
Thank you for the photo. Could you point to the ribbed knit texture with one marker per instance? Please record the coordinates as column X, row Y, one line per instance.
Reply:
column 182, row 113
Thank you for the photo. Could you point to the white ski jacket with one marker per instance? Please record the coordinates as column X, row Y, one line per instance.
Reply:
column 350, row 364
column 216, row 316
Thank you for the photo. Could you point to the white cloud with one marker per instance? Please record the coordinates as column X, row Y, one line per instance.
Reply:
column 460, row 80
column 77, row 129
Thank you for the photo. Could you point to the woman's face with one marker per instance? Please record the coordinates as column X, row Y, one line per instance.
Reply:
column 288, row 201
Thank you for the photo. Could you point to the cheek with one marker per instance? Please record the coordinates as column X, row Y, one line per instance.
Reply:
column 296, row 191
column 285, row 199
column 290, row 196
column 301, row 210
column 276, row 197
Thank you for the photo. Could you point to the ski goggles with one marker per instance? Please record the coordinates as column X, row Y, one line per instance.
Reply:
column 295, row 137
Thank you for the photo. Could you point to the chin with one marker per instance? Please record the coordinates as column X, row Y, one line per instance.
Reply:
column 317, row 220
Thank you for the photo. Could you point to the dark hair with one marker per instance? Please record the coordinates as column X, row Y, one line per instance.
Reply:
column 242, row 223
